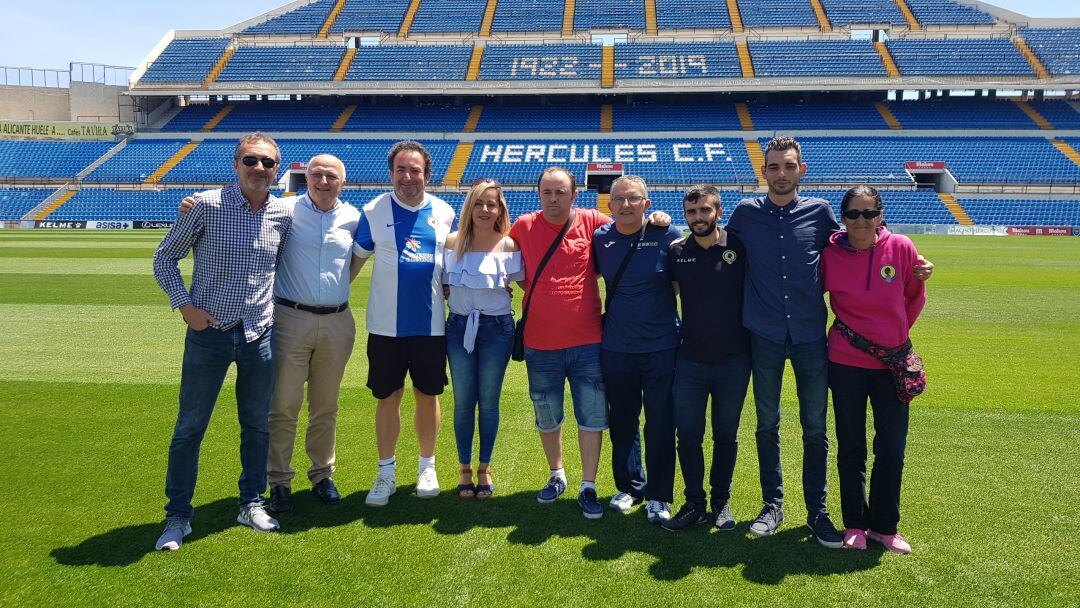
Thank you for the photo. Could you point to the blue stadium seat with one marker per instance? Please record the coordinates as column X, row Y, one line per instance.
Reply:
column 282, row 63
column 777, row 13
column 692, row 14
column 1022, row 212
column 186, row 60
column 382, row 16
column 815, row 115
column 662, row 117
column 617, row 14
column 945, row 12
column 17, row 202
column 105, row 204
column 818, row 58
column 847, row 12
column 960, row 113
column 541, row 62
column 401, row 62
column 307, row 19
column 1057, row 48
column 137, row 160
column 48, row 159
column 528, row 16
column 503, row 118
column 449, row 16
column 441, row 117
column 677, row 60
column 1060, row 113
column 962, row 57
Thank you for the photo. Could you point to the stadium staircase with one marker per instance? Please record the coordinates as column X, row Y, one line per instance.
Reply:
column 343, row 119
column 887, row 60
column 324, row 32
column 650, row 17
column 745, row 62
column 1067, row 150
column 606, row 118
column 745, row 119
column 603, row 203
column 473, row 121
column 888, row 116
column 757, row 159
column 346, row 61
column 406, row 23
column 458, row 164
column 174, row 160
column 822, row 18
column 220, row 116
column 1034, row 115
column 909, row 16
column 955, row 209
column 736, row 18
column 55, row 204
column 219, row 66
column 568, row 18
column 485, row 25
column 607, row 75
column 474, row 64
column 1036, row 64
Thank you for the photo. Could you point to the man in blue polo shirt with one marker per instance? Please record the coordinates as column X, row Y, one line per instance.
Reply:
column 785, row 313
column 637, row 355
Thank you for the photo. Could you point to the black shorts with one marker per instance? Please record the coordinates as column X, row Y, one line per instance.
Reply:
column 423, row 357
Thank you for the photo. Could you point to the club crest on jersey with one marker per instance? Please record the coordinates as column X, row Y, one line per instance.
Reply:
column 730, row 256
column 888, row 273
column 412, row 253
column 432, row 221
column 412, row 245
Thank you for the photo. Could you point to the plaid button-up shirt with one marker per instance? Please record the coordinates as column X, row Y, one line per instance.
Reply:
column 236, row 256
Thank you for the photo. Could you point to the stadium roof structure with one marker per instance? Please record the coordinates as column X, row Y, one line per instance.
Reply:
column 482, row 47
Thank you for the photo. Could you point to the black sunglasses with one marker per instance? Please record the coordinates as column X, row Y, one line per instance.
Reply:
column 853, row 214
column 249, row 161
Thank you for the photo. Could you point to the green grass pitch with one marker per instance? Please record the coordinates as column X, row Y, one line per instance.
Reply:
column 89, row 379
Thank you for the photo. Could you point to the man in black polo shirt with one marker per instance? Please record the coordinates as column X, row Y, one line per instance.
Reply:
column 713, row 358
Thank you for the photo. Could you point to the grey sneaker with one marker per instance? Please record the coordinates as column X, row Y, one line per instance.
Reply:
column 657, row 512
column 379, row 495
column 623, row 502
column 724, row 520
column 768, row 521
column 173, row 536
column 255, row 517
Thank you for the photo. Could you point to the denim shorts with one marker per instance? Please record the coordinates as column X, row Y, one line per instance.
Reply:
column 548, row 372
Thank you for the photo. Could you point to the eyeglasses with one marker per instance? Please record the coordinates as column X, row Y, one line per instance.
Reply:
column 633, row 200
column 267, row 162
column 853, row 214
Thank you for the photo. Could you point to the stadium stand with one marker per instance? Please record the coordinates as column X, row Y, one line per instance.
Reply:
column 819, row 58
column 1023, row 212
column 958, row 113
column 283, row 63
column 597, row 14
column 659, row 117
column 136, row 161
column 692, row 14
column 186, row 60
column 382, row 16
column 528, row 16
column 937, row 12
column 393, row 62
column 777, row 13
column 449, row 16
column 541, row 62
column 1061, row 114
column 105, row 204
column 440, row 117
column 816, row 115
column 1057, row 48
column 972, row 56
column 17, row 202
column 847, row 12
column 677, row 60
column 503, row 118
column 48, row 159
column 307, row 19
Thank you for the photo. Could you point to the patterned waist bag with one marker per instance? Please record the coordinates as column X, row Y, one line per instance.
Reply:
column 908, row 371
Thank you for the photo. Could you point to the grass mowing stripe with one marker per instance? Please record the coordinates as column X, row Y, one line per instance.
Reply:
column 80, row 289
column 59, row 251
column 85, row 266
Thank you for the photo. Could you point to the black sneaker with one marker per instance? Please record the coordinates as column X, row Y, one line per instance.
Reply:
column 824, row 531
column 724, row 520
column 280, row 499
column 768, row 521
column 688, row 516
column 327, row 491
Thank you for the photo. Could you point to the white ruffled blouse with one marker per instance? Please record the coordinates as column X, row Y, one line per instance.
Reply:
column 478, row 280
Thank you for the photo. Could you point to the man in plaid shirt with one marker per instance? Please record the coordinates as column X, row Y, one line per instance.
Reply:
column 236, row 234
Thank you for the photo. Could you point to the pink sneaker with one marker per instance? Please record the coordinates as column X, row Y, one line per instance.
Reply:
column 854, row 539
column 892, row 542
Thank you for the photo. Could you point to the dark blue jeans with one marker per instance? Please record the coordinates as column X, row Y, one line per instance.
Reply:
column 694, row 383
column 630, row 381
column 207, row 357
column 851, row 388
column 478, row 379
column 810, row 363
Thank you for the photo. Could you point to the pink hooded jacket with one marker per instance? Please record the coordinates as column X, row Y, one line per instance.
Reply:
column 873, row 291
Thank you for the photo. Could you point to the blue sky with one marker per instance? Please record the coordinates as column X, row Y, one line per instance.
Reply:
column 52, row 33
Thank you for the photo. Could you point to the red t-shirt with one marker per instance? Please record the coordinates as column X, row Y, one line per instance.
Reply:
column 565, row 310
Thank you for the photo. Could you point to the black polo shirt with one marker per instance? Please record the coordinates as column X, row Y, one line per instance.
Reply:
column 711, row 290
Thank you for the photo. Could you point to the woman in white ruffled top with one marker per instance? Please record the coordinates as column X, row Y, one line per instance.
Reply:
column 481, row 262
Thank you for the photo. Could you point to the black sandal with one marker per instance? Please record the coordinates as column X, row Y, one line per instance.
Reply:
column 466, row 490
column 484, row 491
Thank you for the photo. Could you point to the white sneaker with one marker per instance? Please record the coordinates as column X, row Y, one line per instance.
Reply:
column 622, row 502
column 385, row 486
column 256, row 518
column 427, row 483
column 657, row 511
column 173, row 536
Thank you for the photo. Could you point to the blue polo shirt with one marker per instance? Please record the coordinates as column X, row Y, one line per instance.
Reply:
column 783, row 248
column 643, row 316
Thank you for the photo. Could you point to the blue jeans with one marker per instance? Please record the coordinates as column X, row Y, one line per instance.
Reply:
column 207, row 356
column 810, row 363
column 695, row 382
column 548, row 372
column 632, row 380
column 477, row 379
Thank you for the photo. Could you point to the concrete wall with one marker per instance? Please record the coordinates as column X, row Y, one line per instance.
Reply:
column 93, row 102
column 34, row 103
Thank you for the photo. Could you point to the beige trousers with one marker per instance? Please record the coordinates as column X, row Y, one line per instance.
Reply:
column 311, row 349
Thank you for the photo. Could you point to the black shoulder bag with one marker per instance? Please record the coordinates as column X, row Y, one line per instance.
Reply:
column 518, row 354
column 619, row 273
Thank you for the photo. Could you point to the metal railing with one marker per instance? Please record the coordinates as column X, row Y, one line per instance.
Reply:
column 61, row 79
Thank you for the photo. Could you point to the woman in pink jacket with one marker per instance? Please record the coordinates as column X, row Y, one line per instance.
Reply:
column 868, row 272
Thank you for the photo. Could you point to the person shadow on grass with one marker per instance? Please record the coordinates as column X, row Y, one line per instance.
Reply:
column 766, row 561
